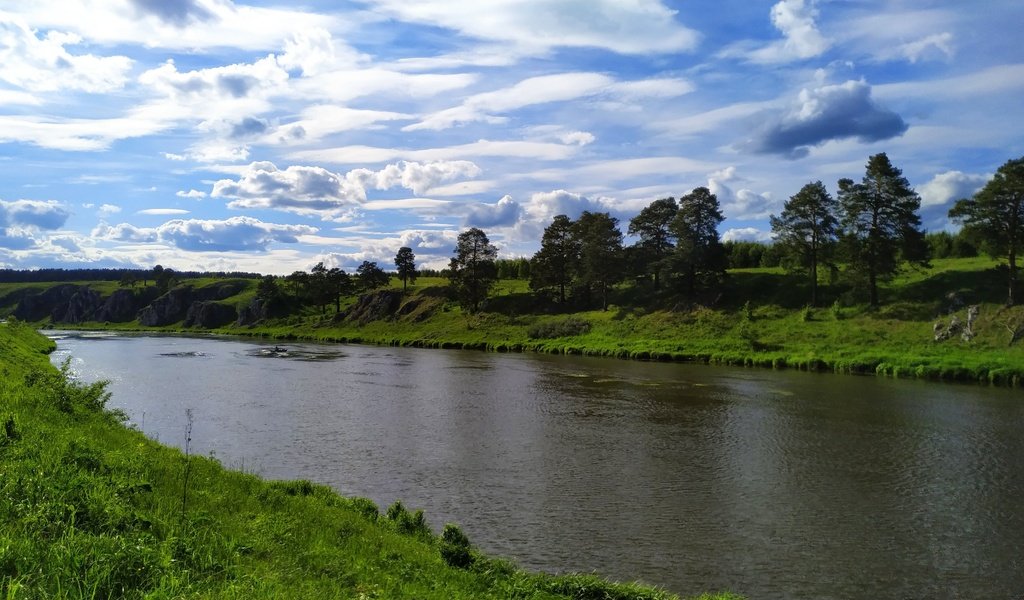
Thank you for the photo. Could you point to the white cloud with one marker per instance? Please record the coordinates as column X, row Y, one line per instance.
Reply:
column 505, row 213
column 937, row 44
column 535, row 90
column 162, row 211
column 946, row 188
column 77, row 134
column 795, row 19
column 223, row 24
column 317, row 191
column 39, row 214
column 746, row 234
column 233, row 234
column 109, row 209
column 635, row 27
column 45, row 65
column 321, row 120
column 507, row 149
column 190, row 194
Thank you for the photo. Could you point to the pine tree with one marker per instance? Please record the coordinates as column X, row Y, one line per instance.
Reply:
column 806, row 230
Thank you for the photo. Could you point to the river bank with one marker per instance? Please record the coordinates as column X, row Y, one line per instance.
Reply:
column 93, row 509
column 897, row 339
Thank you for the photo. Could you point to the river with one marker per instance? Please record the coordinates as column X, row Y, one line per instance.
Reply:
column 769, row 484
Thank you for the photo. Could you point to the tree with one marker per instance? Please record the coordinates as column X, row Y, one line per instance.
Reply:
column 558, row 258
column 267, row 288
column 656, row 239
column 371, row 277
column 807, row 230
column 405, row 262
column 994, row 218
column 339, row 284
column 163, row 278
column 318, row 287
column 880, row 223
column 699, row 258
column 128, row 280
column 471, row 271
column 600, row 252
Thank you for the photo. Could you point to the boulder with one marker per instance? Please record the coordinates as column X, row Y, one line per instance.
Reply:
column 209, row 314
column 169, row 308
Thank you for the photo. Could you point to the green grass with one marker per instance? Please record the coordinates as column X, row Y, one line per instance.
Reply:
column 92, row 509
column 761, row 319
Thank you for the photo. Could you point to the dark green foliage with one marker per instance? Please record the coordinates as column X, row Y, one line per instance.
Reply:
column 455, row 547
column 370, row 277
column 942, row 244
column 67, row 395
column 699, row 259
column 880, row 225
column 409, row 523
column 805, row 231
column 556, row 264
column 556, row 328
column 472, row 271
column 656, row 243
column 513, row 268
column 994, row 218
column 405, row 262
column 600, row 253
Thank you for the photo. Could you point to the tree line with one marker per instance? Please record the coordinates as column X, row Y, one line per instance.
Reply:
column 864, row 234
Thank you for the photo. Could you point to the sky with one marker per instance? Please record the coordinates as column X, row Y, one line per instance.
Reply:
column 268, row 136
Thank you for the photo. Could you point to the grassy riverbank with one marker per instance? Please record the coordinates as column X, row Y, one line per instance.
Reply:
column 776, row 331
column 760, row 320
column 92, row 509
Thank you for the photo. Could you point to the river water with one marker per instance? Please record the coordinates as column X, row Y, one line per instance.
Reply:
column 693, row 478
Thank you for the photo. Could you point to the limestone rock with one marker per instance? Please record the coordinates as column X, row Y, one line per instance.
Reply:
column 208, row 314
column 169, row 308
column 39, row 306
column 79, row 308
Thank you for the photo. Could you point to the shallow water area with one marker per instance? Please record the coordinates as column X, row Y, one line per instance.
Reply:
column 769, row 484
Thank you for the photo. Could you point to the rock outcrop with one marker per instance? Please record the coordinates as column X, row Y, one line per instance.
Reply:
column 39, row 306
column 208, row 314
column 119, row 307
column 169, row 308
column 80, row 307
column 374, row 306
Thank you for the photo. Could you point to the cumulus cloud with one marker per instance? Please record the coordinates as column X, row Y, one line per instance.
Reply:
column 21, row 220
column 45, row 65
column 109, row 209
column 196, row 194
column 739, row 204
column 746, row 234
column 233, row 234
column 176, row 12
column 946, row 188
column 41, row 214
column 504, row 213
column 418, row 177
column 795, row 20
column 826, row 113
column 318, row 191
column 637, row 27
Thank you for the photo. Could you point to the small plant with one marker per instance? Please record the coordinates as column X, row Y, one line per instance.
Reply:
column 409, row 523
column 455, row 547
column 188, row 461
column 807, row 314
column 10, row 431
column 748, row 311
column 837, row 311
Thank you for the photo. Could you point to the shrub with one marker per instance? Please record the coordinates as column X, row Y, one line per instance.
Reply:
column 455, row 548
column 409, row 523
column 567, row 327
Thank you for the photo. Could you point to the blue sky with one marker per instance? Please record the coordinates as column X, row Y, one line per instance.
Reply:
column 255, row 136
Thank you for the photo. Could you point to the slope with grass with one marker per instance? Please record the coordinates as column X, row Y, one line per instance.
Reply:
column 92, row 509
column 760, row 320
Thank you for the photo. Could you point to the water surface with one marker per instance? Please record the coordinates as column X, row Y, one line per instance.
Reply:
column 769, row 484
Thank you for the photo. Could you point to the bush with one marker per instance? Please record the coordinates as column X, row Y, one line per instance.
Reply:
column 409, row 523
column 455, row 548
column 68, row 395
column 557, row 328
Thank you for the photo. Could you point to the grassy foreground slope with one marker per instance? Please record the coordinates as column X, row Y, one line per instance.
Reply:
column 92, row 509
